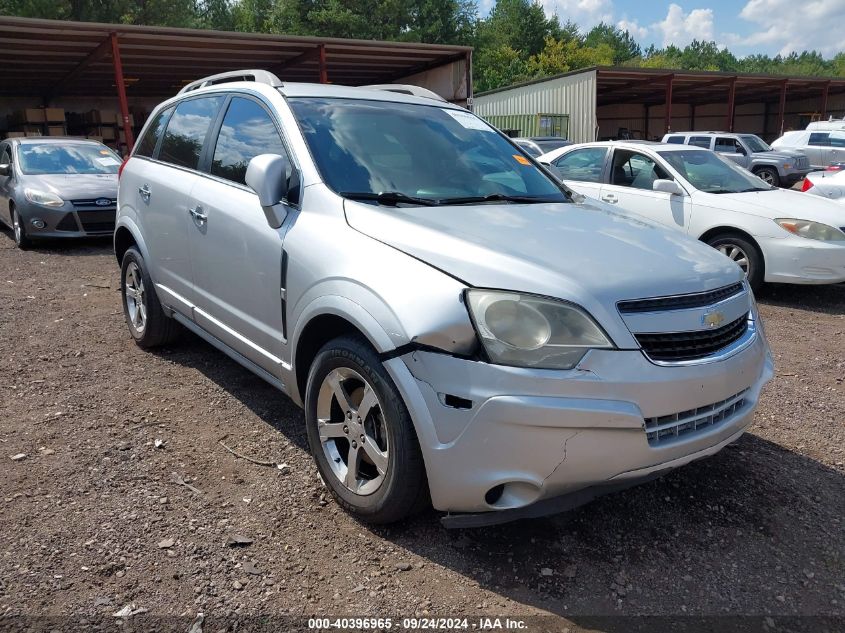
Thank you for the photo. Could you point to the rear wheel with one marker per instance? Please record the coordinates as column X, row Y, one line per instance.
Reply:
column 19, row 230
column 148, row 324
column 745, row 254
column 769, row 175
column 361, row 434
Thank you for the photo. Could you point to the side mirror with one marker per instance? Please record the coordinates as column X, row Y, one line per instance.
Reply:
column 272, row 177
column 5, row 170
column 667, row 186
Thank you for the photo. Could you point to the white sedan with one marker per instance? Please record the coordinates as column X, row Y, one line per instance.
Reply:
column 827, row 184
column 774, row 235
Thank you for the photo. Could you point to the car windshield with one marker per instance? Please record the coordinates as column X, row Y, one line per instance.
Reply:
column 756, row 143
column 390, row 153
column 67, row 158
column 707, row 171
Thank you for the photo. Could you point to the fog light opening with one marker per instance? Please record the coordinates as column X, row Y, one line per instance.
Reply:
column 494, row 494
column 455, row 402
column 38, row 223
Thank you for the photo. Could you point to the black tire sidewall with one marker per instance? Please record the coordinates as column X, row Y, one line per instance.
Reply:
column 157, row 321
column 24, row 243
column 756, row 265
column 392, row 500
column 769, row 170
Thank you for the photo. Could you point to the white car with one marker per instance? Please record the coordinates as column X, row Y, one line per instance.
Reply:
column 774, row 235
column 827, row 184
column 822, row 147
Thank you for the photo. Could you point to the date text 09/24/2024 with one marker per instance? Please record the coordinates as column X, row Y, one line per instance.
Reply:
column 422, row 624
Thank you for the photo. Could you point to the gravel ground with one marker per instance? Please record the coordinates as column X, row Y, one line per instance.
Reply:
column 92, row 519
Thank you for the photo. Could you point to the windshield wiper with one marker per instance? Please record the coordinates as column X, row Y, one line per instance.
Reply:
column 495, row 197
column 388, row 198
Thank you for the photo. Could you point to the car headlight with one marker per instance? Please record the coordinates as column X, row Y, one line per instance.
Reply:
column 528, row 331
column 811, row 230
column 44, row 198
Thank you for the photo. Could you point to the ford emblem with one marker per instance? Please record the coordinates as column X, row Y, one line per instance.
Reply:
column 103, row 202
column 713, row 319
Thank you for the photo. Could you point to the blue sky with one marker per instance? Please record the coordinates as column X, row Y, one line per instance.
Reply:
column 744, row 26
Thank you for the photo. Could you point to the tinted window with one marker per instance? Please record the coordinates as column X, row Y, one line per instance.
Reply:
column 819, row 139
column 186, row 131
column 582, row 164
column 437, row 153
column 247, row 131
column 700, row 141
column 675, row 140
column 67, row 158
column 147, row 144
column 728, row 146
column 631, row 169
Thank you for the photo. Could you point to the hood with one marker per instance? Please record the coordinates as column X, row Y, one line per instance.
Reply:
column 778, row 203
column 75, row 186
column 781, row 154
column 581, row 252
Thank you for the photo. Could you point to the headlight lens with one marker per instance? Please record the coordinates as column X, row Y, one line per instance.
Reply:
column 528, row 331
column 44, row 198
column 811, row 230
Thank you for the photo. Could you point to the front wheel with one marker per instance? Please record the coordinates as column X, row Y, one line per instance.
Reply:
column 745, row 254
column 769, row 175
column 148, row 324
column 19, row 229
column 361, row 434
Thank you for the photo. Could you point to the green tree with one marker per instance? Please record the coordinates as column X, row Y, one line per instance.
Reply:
column 621, row 42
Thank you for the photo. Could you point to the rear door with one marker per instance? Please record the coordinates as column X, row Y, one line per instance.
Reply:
column 837, row 147
column 583, row 169
column 161, row 186
column 236, row 255
column 6, row 183
column 818, row 149
column 629, row 188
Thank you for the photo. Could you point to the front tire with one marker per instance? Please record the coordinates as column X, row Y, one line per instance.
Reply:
column 19, row 231
column 745, row 254
column 148, row 324
column 361, row 434
column 769, row 175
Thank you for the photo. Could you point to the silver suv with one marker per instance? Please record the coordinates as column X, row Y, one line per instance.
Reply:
column 455, row 326
column 779, row 168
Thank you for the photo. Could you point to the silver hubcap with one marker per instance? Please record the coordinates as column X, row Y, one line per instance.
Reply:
column 767, row 177
column 16, row 225
column 353, row 431
column 136, row 305
column 735, row 253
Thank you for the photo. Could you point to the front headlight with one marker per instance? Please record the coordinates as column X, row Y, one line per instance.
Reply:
column 44, row 198
column 527, row 331
column 811, row 230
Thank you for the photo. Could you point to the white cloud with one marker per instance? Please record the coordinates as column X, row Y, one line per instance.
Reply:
column 681, row 28
column 633, row 27
column 586, row 13
column 787, row 27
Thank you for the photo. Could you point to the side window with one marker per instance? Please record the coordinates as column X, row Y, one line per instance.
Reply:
column 186, row 131
column 631, row 169
column 728, row 146
column 6, row 156
column 819, row 139
column 147, row 143
column 700, row 141
column 247, row 131
column 837, row 139
column 675, row 140
column 582, row 164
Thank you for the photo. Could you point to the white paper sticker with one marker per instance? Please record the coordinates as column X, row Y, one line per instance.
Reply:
column 468, row 120
column 108, row 161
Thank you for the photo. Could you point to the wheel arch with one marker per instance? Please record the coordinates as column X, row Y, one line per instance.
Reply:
column 127, row 235
column 732, row 230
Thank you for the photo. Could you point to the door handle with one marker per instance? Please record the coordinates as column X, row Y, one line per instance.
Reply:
column 199, row 217
column 609, row 197
column 145, row 193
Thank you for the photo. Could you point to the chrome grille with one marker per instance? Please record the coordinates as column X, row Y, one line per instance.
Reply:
column 667, row 427
column 682, row 346
column 680, row 302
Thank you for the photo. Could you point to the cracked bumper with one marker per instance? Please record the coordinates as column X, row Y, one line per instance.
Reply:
column 541, row 434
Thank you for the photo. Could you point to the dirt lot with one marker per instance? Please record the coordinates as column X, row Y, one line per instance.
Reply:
column 92, row 521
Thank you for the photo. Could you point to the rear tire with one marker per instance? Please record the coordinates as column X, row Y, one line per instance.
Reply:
column 769, row 175
column 147, row 322
column 745, row 254
column 351, row 401
column 19, row 230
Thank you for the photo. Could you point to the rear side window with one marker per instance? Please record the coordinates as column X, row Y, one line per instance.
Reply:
column 820, row 139
column 148, row 142
column 186, row 131
column 700, row 141
column 675, row 140
column 837, row 139
column 584, row 165
column 247, row 132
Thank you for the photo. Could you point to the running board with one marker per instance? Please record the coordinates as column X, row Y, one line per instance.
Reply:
column 231, row 353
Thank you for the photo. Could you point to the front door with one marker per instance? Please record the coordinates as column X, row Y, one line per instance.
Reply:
column 733, row 150
column 630, row 190
column 236, row 255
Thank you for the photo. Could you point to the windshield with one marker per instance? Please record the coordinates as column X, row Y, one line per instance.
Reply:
column 67, row 158
column 707, row 171
column 416, row 153
column 755, row 143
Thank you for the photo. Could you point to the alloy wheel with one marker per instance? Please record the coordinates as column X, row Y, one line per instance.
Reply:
column 739, row 256
column 16, row 226
column 767, row 177
column 353, row 430
column 134, row 296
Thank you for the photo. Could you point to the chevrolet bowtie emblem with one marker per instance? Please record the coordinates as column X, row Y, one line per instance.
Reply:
column 713, row 319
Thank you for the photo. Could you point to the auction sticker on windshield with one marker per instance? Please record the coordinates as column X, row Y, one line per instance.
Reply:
column 469, row 121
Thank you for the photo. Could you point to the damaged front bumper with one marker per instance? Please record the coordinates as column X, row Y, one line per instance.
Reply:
column 513, row 442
